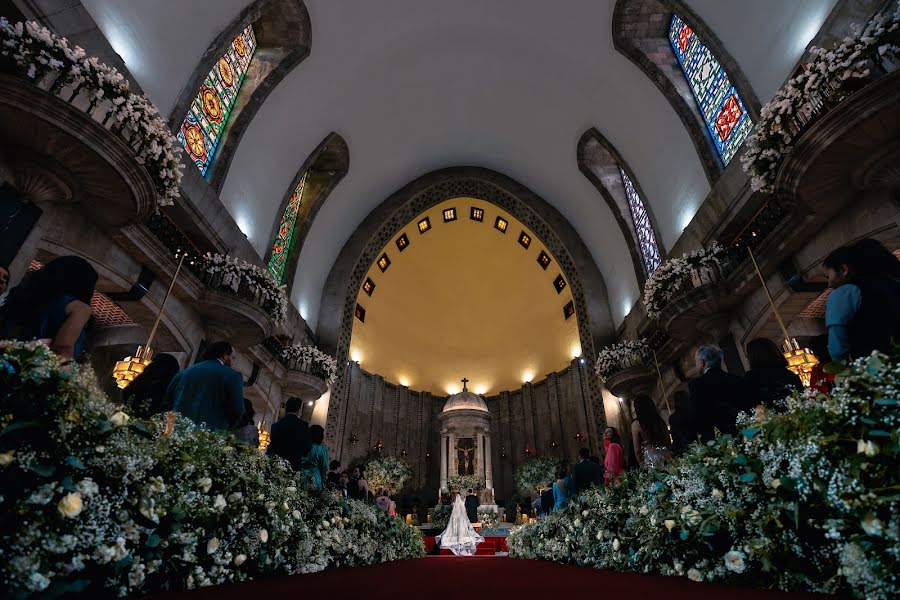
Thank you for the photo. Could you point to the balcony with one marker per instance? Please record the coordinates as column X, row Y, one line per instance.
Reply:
column 68, row 151
column 300, row 379
column 702, row 309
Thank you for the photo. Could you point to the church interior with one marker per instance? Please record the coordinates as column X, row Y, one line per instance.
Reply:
column 472, row 246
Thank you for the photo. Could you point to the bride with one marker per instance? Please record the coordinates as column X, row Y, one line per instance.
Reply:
column 459, row 536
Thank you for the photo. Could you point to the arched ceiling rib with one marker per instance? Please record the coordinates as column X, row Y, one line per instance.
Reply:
column 509, row 85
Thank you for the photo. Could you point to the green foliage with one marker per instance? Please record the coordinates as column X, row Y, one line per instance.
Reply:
column 532, row 475
column 389, row 473
column 94, row 500
column 805, row 500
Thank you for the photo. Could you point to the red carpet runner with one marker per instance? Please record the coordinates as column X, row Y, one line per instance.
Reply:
column 477, row 576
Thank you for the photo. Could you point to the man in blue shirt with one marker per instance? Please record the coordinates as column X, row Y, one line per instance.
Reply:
column 210, row 392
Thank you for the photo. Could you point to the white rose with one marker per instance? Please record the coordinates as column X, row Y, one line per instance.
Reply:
column 644, row 510
column 212, row 545
column 669, row 523
column 263, row 536
column 239, row 559
column 694, row 575
column 87, row 487
column 616, row 544
column 119, row 419
column 718, row 494
column 71, row 505
column 220, row 503
column 776, row 483
column 7, row 458
column 205, row 484
column 871, row 525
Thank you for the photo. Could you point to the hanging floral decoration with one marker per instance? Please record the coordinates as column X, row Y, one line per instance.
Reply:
column 310, row 359
column 247, row 281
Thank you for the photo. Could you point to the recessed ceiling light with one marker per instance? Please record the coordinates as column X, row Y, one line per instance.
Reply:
column 543, row 260
column 559, row 283
column 384, row 262
column 476, row 214
column 501, row 224
column 524, row 240
column 569, row 309
column 360, row 314
column 402, row 242
column 424, row 225
column 449, row 214
column 368, row 286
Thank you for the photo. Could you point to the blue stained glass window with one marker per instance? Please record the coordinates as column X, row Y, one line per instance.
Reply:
column 642, row 226
column 208, row 115
column 721, row 106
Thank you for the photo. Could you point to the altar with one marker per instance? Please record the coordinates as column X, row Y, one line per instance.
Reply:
column 466, row 446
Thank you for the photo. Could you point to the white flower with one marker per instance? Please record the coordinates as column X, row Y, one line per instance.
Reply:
column 872, row 525
column 205, row 484
column 239, row 559
column 734, row 561
column 694, row 575
column 38, row 582
column 644, row 510
column 263, row 536
column 212, row 545
column 615, row 544
column 119, row 419
column 669, row 523
column 219, row 502
column 776, row 483
column 87, row 487
column 7, row 458
column 867, row 447
column 70, row 505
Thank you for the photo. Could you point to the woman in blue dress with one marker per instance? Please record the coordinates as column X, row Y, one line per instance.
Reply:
column 52, row 304
column 315, row 463
column 562, row 489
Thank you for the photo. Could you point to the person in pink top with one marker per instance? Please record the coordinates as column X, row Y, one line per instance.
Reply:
column 615, row 456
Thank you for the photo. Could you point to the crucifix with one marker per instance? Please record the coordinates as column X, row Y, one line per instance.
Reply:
column 464, row 382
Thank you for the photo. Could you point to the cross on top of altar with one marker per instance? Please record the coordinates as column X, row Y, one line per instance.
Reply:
column 464, row 382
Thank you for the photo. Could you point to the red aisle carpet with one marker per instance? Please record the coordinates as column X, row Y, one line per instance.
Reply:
column 477, row 576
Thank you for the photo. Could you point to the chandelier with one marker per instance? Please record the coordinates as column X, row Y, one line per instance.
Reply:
column 264, row 436
column 127, row 369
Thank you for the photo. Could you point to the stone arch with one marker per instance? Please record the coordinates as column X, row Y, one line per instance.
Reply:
column 640, row 32
column 324, row 167
column 599, row 161
column 335, row 323
column 284, row 38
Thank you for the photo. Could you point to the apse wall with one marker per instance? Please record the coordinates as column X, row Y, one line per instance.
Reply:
column 552, row 417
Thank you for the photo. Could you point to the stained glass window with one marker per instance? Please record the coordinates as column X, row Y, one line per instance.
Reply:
column 284, row 239
column 643, row 228
column 722, row 108
column 208, row 115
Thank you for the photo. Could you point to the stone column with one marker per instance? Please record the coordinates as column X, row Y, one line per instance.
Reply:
column 444, row 458
column 451, row 455
column 479, row 437
column 488, row 472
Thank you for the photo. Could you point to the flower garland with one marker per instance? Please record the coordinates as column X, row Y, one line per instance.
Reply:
column 32, row 52
column 830, row 75
column 389, row 473
column 236, row 275
column 672, row 278
column 462, row 483
column 805, row 500
column 488, row 517
column 532, row 475
column 97, row 501
column 318, row 363
column 621, row 355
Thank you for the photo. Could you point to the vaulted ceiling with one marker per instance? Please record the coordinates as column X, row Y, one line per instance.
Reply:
column 414, row 86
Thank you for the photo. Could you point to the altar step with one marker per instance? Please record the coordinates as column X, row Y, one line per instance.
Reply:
column 489, row 547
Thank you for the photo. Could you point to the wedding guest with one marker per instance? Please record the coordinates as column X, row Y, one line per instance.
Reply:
column 769, row 379
column 679, row 423
column 843, row 302
column 353, row 484
column 315, row 463
column 4, row 284
column 649, row 435
column 290, row 436
column 876, row 325
column 209, row 393
column 246, row 431
column 146, row 395
column 595, row 459
column 562, row 489
column 586, row 473
column 333, row 477
column 363, row 484
column 52, row 304
column 344, row 483
column 615, row 456
column 715, row 395
column 547, row 500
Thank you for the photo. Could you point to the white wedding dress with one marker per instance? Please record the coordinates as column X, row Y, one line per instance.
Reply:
column 459, row 536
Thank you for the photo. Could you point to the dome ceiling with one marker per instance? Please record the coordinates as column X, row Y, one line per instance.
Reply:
column 413, row 86
column 461, row 300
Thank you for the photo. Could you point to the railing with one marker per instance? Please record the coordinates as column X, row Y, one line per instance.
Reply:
column 763, row 223
column 241, row 288
column 171, row 236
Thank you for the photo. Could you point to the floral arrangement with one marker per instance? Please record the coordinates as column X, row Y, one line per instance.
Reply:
column 805, row 500
column 532, row 475
column 389, row 473
column 96, row 501
column 829, row 76
column 440, row 516
column 245, row 279
column 488, row 517
column 676, row 275
column 465, row 482
column 621, row 355
column 34, row 53
column 311, row 360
